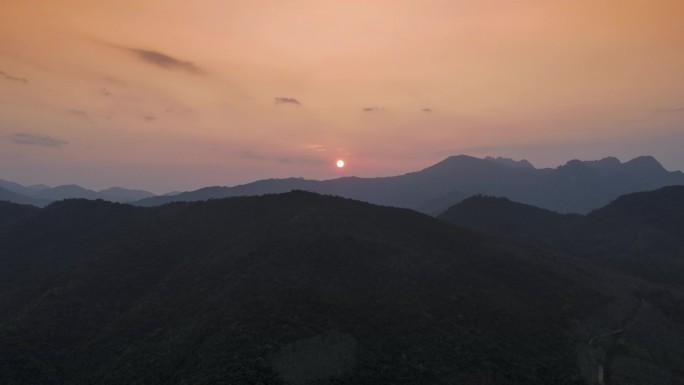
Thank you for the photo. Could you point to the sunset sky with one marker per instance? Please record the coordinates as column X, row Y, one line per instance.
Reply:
column 175, row 95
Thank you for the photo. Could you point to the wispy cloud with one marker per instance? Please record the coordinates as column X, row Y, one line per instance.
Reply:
column 426, row 110
column 315, row 147
column 282, row 158
column 287, row 101
column 162, row 60
column 372, row 109
column 9, row 77
column 673, row 109
column 301, row 160
column 247, row 154
column 79, row 113
column 36, row 140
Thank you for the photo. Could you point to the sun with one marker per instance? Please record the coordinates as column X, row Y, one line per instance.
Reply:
column 340, row 163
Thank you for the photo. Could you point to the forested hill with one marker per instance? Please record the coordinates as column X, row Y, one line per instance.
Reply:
column 11, row 211
column 300, row 288
column 641, row 233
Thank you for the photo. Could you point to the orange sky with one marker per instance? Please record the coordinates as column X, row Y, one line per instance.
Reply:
column 174, row 95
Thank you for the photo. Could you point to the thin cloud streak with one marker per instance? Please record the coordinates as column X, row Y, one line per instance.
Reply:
column 9, row 77
column 252, row 155
column 28, row 139
column 162, row 60
column 372, row 109
column 281, row 159
column 287, row 101
column 79, row 113
column 666, row 110
column 301, row 160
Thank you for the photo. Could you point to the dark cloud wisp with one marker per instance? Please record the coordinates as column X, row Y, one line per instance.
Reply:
column 9, row 77
column 165, row 61
column 287, row 101
column 426, row 110
column 372, row 109
column 36, row 140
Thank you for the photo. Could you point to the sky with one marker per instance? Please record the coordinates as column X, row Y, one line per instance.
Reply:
column 170, row 95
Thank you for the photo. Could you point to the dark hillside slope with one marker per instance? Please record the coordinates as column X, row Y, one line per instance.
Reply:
column 300, row 288
column 39, row 249
column 503, row 217
column 12, row 211
column 641, row 233
column 662, row 209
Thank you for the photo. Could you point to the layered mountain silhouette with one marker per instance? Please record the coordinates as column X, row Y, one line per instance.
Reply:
column 577, row 186
column 14, row 197
column 41, row 195
column 641, row 233
column 300, row 288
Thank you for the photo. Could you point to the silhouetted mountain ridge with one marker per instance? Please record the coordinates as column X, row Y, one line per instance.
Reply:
column 642, row 233
column 300, row 288
column 577, row 186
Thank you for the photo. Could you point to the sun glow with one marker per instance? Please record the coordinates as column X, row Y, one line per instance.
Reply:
column 340, row 163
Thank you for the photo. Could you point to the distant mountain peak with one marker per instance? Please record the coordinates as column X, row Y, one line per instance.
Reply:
column 574, row 165
column 607, row 166
column 38, row 187
column 645, row 165
column 645, row 158
column 457, row 160
column 460, row 162
column 510, row 162
column 610, row 160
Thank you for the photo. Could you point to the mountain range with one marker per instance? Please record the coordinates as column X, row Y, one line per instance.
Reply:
column 300, row 288
column 41, row 195
column 575, row 187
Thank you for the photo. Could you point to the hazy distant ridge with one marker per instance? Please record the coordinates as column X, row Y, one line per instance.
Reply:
column 578, row 186
column 41, row 195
